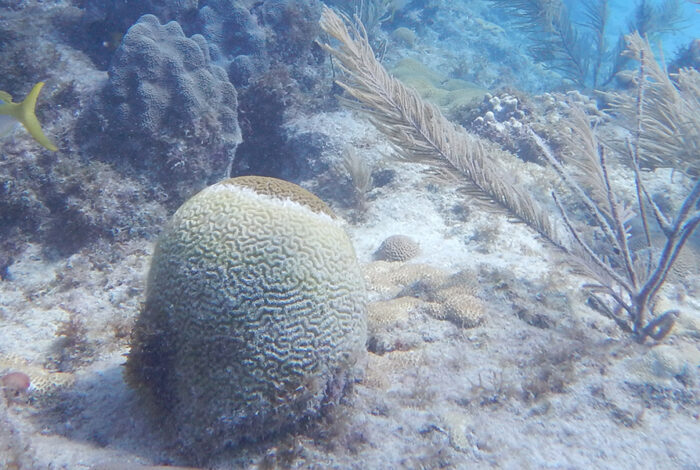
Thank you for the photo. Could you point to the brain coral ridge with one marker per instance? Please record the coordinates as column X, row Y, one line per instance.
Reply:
column 397, row 248
column 254, row 316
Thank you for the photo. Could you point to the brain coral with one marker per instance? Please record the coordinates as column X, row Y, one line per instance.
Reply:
column 254, row 315
column 397, row 248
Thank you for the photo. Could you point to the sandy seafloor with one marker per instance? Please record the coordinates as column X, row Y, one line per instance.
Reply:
column 541, row 381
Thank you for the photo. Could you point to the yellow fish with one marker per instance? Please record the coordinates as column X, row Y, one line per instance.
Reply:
column 11, row 113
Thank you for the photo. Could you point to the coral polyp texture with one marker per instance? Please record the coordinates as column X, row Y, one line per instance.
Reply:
column 397, row 248
column 254, row 316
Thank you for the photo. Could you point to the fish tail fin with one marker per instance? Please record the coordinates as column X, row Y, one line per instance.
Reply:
column 27, row 117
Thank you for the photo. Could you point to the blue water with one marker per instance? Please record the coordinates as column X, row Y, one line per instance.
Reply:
column 620, row 14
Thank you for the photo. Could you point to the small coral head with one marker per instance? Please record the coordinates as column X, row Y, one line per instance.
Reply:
column 15, row 385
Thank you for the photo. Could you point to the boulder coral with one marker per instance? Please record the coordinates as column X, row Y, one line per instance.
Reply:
column 168, row 96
